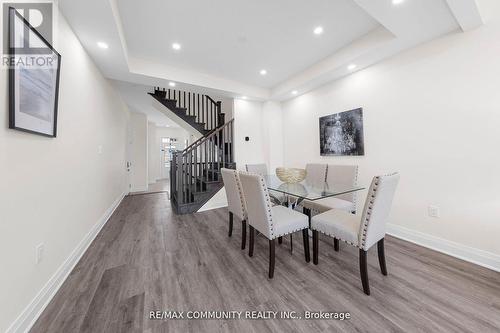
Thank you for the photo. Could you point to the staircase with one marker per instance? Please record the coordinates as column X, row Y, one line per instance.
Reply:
column 195, row 172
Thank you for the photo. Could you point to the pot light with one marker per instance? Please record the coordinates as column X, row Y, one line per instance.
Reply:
column 397, row 2
column 263, row 72
column 244, row 97
column 318, row 30
column 295, row 92
column 102, row 45
column 351, row 67
column 172, row 84
column 176, row 46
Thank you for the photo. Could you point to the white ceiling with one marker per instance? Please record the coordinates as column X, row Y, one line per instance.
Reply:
column 137, row 98
column 238, row 38
column 226, row 42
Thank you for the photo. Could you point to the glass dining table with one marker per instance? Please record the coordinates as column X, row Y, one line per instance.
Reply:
column 294, row 193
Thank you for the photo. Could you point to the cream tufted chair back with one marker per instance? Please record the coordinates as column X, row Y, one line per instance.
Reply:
column 234, row 194
column 377, row 208
column 258, row 203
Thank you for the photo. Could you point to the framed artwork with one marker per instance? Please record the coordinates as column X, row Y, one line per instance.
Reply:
column 341, row 134
column 33, row 79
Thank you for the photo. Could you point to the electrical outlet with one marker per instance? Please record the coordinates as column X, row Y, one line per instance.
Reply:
column 434, row 211
column 39, row 253
column 99, row 149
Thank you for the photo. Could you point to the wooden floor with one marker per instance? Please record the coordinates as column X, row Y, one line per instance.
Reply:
column 147, row 259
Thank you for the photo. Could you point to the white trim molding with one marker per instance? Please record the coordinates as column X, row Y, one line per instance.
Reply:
column 30, row 314
column 460, row 251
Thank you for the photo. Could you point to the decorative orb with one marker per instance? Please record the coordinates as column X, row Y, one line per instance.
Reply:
column 291, row 175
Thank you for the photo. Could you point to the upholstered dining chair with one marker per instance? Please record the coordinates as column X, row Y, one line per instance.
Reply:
column 316, row 174
column 361, row 231
column 260, row 169
column 235, row 202
column 336, row 175
column 270, row 221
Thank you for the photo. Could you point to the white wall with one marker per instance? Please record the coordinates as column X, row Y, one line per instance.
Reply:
column 139, row 157
column 248, row 122
column 431, row 113
column 57, row 190
column 272, row 135
column 153, row 154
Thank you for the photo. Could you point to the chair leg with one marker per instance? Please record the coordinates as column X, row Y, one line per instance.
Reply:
column 291, row 244
column 250, row 243
column 243, row 234
column 336, row 245
column 280, row 240
column 230, row 224
column 271, row 258
column 381, row 256
column 307, row 211
column 305, row 236
column 315, row 246
column 363, row 268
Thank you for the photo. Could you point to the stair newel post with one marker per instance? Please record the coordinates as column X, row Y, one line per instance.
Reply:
column 220, row 116
column 173, row 171
column 178, row 178
column 231, row 136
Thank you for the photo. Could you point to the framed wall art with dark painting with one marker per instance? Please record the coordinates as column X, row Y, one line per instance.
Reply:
column 34, row 71
column 341, row 134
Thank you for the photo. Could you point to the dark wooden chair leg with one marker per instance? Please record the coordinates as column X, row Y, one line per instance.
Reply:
column 305, row 236
column 230, row 224
column 243, row 234
column 307, row 212
column 280, row 240
column 336, row 245
column 250, row 243
column 315, row 246
column 271, row 258
column 363, row 269
column 381, row 256
column 291, row 244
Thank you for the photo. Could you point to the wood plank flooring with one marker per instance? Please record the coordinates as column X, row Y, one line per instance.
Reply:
column 147, row 259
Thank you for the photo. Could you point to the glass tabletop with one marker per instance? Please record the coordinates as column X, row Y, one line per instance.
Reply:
column 307, row 191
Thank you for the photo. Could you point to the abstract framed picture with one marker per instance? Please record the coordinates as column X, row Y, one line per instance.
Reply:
column 34, row 71
column 341, row 134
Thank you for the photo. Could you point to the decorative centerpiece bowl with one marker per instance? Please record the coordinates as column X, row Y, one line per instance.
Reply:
column 291, row 175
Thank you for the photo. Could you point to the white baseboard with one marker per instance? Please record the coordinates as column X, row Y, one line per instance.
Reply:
column 31, row 313
column 470, row 254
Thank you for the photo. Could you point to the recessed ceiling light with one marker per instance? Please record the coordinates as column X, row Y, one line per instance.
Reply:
column 244, row 97
column 397, row 2
column 318, row 30
column 351, row 67
column 263, row 72
column 172, row 84
column 102, row 45
column 176, row 46
column 295, row 92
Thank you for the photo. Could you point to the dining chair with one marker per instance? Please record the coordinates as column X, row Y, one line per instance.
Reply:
column 346, row 175
column 277, row 198
column 270, row 221
column 360, row 231
column 316, row 177
column 235, row 202
column 316, row 174
column 260, row 169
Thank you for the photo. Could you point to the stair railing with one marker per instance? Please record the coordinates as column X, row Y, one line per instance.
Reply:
column 203, row 107
column 196, row 167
